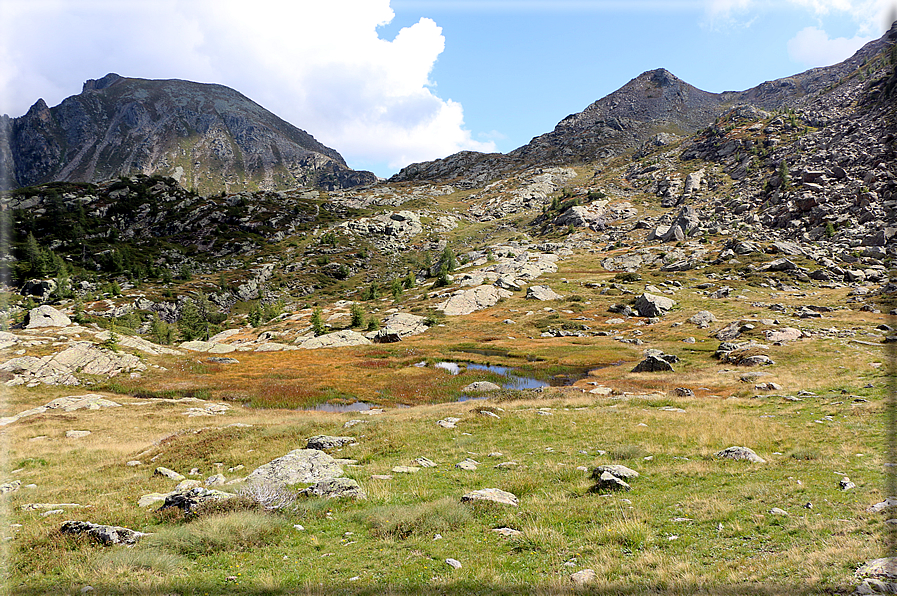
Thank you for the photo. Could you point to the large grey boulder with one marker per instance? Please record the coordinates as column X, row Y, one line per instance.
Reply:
column 702, row 319
column 197, row 496
column 299, row 466
column 542, row 293
column 740, row 453
column 593, row 216
column 403, row 324
column 651, row 305
column 336, row 488
column 481, row 387
column 105, row 535
column 46, row 316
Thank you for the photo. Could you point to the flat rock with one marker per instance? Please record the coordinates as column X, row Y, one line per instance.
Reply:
column 481, row 387
column 162, row 471
column 784, row 334
column 423, row 462
column 702, row 319
column 543, row 293
column 404, row 324
column 470, row 301
column 297, row 467
column 326, row 442
column 76, row 434
column 449, row 422
column 46, row 316
column 507, row 532
column 491, row 494
column 336, row 488
column 151, row 498
column 846, row 484
column 105, row 535
column 337, row 339
column 615, row 469
column 189, row 500
column 740, row 453
column 207, row 346
column 581, row 578
column 885, row 568
column 405, row 469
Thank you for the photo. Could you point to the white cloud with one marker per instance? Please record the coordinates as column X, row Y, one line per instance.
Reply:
column 319, row 65
column 872, row 17
column 812, row 47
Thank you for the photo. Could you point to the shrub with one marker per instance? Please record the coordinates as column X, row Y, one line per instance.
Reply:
column 317, row 322
column 357, row 316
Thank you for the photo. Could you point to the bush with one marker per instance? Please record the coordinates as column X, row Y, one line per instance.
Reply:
column 317, row 322
column 357, row 316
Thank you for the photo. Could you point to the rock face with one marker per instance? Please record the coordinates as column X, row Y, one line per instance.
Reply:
column 61, row 369
column 205, row 136
column 299, row 466
column 337, row 339
column 46, row 316
column 542, row 293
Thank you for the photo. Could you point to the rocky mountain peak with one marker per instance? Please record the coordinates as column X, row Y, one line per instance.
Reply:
column 98, row 84
column 207, row 137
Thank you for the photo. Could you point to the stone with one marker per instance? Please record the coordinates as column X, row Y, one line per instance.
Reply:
column 507, row 532
column 151, row 498
column 617, row 470
column 470, row 301
column 846, row 484
column 881, row 569
column 784, row 334
column 740, row 453
column 185, row 485
column 755, row 360
column 326, row 442
column 76, row 434
column 684, row 392
column 337, row 339
column 336, row 488
column 494, row 495
column 453, row 563
column 651, row 305
column 702, row 319
column 586, row 576
column 403, row 324
column 449, row 422
column 423, row 462
column 542, row 293
column 105, row 535
column 653, row 363
column 46, row 316
column 79, row 358
column 481, row 387
column 207, row 346
column 162, row 471
column 467, row 464
column 189, row 500
column 296, row 467
column 10, row 487
column 778, row 511
column 608, row 481
column 405, row 469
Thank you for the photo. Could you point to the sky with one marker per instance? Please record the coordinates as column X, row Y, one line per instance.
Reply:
column 392, row 82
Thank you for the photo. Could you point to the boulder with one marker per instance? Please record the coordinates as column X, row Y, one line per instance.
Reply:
column 46, row 316
column 653, row 363
column 336, row 488
column 299, row 466
column 783, row 334
column 593, row 216
column 105, row 535
column 494, row 495
column 337, row 339
column 326, row 442
column 617, row 470
column 702, row 319
column 170, row 474
column 469, row 301
column 740, row 453
column 607, row 481
column 190, row 499
column 404, row 324
column 584, row 577
column 542, row 293
column 651, row 305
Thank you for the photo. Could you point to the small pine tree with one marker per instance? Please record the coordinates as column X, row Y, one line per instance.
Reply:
column 111, row 342
column 357, row 315
column 317, row 322
column 410, row 280
column 785, row 176
column 190, row 324
column 448, row 260
column 396, row 289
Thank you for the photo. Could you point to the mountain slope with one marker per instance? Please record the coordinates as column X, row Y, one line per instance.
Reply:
column 654, row 102
column 208, row 137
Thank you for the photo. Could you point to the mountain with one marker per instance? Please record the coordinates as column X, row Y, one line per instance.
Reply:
column 208, row 137
column 654, row 103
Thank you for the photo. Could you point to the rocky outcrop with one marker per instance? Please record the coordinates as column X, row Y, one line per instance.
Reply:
column 205, row 136
column 105, row 535
column 46, row 316
column 296, row 467
column 81, row 358
column 337, row 339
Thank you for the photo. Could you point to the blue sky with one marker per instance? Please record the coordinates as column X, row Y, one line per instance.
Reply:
column 390, row 82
